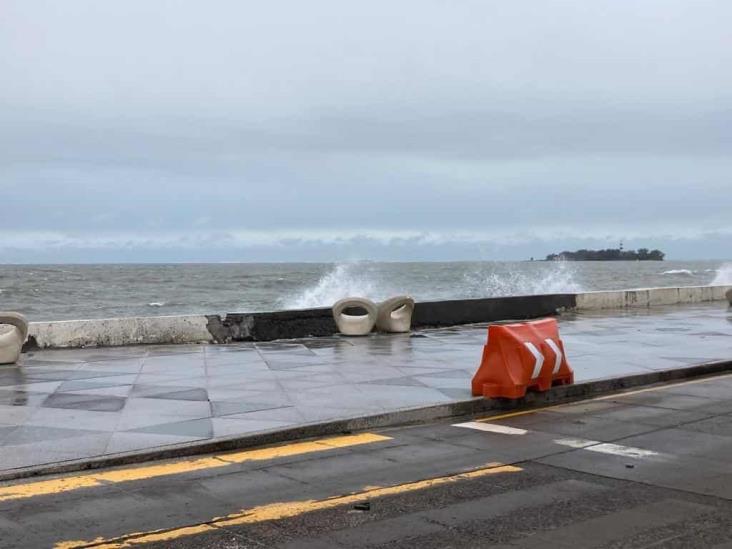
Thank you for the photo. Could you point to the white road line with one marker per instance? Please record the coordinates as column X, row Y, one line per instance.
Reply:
column 606, row 448
column 576, row 442
column 491, row 428
column 538, row 357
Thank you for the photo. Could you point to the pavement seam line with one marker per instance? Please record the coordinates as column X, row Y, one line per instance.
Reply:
column 106, row 478
column 283, row 510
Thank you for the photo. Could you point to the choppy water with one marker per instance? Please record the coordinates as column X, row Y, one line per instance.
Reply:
column 55, row 292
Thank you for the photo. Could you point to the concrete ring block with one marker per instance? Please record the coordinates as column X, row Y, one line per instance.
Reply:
column 13, row 333
column 355, row 325
column 395, row 314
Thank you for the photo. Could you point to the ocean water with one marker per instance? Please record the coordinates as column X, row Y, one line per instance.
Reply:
column 58, row 292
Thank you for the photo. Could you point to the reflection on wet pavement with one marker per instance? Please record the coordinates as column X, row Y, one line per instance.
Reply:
column 71, row 404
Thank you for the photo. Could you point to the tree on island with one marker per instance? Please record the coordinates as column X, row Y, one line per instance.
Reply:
column 610, row 254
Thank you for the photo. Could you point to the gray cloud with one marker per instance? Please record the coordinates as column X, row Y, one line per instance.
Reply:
column 173, row 130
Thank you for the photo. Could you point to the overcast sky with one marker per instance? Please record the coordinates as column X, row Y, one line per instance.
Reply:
column 332, row 130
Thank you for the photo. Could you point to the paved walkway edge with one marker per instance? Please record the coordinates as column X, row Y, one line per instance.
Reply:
column 405, row 416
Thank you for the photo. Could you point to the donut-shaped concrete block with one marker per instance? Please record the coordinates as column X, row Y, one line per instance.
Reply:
column 355, row 325
column 395, row 315
column 13, row 331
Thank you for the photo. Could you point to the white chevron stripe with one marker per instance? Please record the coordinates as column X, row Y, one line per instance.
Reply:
column 557, row 353
column 537, row 356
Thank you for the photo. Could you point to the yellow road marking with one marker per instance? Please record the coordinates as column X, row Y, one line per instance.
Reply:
column 282, row 510
column 606, row 397
column 67, row 484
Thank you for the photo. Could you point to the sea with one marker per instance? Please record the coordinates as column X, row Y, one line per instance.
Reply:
column 62, row 292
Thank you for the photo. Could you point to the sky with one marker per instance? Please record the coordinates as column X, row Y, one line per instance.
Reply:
column 143, row 131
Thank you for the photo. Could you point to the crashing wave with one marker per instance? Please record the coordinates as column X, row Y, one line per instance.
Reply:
column 724, row 276
column 344, row 280
column 367, row 280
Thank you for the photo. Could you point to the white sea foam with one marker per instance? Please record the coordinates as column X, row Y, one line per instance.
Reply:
column 685, row 272
column 552, row 278
column 345, row 280
column 156, row 304
column 368, row 280
column 724, row 276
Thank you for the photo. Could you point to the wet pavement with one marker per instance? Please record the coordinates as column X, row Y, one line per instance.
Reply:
column 645, row 468
column 73, row 404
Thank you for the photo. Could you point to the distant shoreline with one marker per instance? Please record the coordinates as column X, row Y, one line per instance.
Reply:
column 610, row 254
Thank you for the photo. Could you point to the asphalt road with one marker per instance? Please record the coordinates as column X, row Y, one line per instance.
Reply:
column 650, row 468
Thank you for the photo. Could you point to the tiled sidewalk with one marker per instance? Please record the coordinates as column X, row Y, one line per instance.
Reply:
column 64, row 405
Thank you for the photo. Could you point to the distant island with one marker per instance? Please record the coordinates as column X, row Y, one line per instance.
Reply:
column 611, row 254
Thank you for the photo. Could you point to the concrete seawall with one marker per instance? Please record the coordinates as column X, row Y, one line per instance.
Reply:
column 318, row 322
column 649, row 297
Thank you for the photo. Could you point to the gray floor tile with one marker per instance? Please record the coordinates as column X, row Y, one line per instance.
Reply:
column 100, row 374
column 406, row 381
column 457, row 394
column 193, row 381
column 223, row 408
column 35, row 387
column 78, row 419
column 116, row 390
column 309, row 382
column 176, row 380
column 163, row 350
column 155, row 406
column 188, row 394
column 288, row 414
column 130, row 441
column 445, row 382
column 74, row 385
column 29, row 434
column 5, row 431
column 95, row 403
column 16, row 457
column 130, row 366
column 15, row 414
column 21, row 398
column 129, row 421
column 8, row 379
column 199, row 428
column 144, row 390
column 89, row 444
column 225, row 427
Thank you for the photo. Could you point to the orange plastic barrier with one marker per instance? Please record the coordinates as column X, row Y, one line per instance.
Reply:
column 521, row 357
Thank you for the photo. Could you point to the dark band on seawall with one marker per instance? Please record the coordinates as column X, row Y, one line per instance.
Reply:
column 427, row 314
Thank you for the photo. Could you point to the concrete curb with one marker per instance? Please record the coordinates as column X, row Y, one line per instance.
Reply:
column 405, row 416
